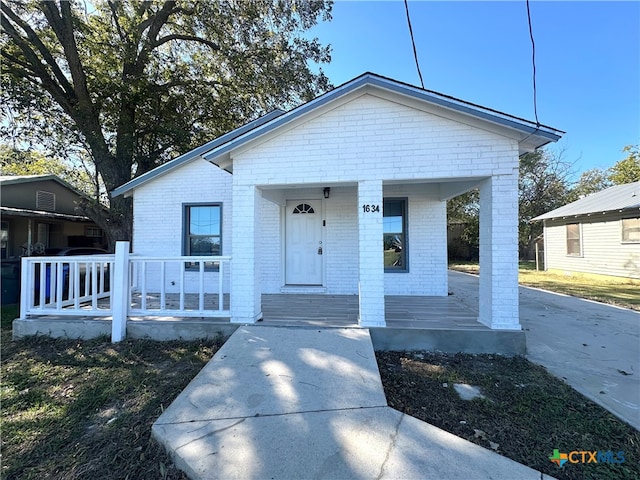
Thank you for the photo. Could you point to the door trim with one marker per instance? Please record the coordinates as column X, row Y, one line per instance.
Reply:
column 319, row 201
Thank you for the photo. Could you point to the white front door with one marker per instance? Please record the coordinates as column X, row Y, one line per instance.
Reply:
column 303, row 231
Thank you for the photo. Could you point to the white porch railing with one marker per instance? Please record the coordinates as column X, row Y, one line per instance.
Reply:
column 123, row 285
column 153, row 292
column 66, row 286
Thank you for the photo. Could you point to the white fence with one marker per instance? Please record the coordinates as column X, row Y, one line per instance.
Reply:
column 123, row 285
column 66, row 286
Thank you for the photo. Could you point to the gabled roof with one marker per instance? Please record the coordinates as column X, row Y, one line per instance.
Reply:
column 530, row 134
column 616, row 198
column 14, row 179
column 18, row 179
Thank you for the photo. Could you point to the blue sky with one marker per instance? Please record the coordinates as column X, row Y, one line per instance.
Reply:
column 587, row 61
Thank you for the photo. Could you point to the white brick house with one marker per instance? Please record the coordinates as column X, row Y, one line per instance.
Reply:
column 346, row 195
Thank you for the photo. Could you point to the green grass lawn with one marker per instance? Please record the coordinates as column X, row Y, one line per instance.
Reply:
column 619, row 291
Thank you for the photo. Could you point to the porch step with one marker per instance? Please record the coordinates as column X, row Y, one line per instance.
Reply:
column 302, row 289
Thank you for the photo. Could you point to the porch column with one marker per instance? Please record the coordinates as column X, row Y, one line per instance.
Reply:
column 499, row 252
column 371, row 255
column 246, row 305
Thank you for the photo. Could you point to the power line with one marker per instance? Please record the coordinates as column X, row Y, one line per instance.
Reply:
column 533, row 61
column 413, row 43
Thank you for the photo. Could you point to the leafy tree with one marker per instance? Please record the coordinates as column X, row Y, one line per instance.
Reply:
column 464, row 210
column 543, row 186
column 23, row 162
column 590, row 181
column 29, row 162
column 132, row 84
column 628, row 169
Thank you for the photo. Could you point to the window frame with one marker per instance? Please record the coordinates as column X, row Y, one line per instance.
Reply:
column 186, row 237
column 93, row 232
column 579, row 239
column 405, row 232
column 622, row 228
column 4, row 239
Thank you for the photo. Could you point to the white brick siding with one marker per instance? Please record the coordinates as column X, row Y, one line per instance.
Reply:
column 158, row 228
column 426, row 243
column 371, row 138
column 499, row 252
column 368, row 144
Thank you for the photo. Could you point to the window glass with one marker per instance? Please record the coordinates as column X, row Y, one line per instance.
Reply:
column 394, row 230
column 631, row 230
column 204, row 230
column 573, row 239
column 4, row 240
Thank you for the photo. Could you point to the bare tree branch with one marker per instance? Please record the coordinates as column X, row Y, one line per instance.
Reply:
column 114, row 16
column 62, row 24
column 190, row 38
column 28, row 52
column 84, row 113
column 156, row 24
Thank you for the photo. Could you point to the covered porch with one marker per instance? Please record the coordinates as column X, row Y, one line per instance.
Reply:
column 412, row 323
column 375, row 246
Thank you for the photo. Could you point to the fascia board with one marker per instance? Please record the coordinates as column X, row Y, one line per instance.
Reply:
column 494, row 121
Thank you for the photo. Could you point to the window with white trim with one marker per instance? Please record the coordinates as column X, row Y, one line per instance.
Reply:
column 4, row 240
column 93, row 232
column 631, row 230
column 574, row 246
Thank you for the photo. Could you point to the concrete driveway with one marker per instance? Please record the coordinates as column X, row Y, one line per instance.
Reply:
column 594, row 347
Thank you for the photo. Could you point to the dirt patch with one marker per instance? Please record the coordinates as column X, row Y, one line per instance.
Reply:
column 525, row 415
column 84, row 409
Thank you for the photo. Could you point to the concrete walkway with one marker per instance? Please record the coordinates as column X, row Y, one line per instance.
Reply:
column 594, row 347
column 298, row 403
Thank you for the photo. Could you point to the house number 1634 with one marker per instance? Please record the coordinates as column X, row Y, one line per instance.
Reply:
column 370, row 208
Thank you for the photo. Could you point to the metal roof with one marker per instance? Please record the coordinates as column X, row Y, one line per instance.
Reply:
column 25, row 212
column 13, row 179
column 616, row 198
column 535, row 135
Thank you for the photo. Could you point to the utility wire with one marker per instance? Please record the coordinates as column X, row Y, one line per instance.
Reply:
column 413, row 43
column 533, row 61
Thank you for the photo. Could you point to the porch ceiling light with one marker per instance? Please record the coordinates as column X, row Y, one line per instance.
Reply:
column 326, row 191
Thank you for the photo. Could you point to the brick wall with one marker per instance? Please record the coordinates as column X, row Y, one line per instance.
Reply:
column 372, row 138
column 157, row 217
column 365, row 139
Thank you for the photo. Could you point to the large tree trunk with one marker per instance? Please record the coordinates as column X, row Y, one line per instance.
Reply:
column 115, row 222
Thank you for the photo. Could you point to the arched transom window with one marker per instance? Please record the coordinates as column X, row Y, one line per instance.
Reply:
column 303, row 208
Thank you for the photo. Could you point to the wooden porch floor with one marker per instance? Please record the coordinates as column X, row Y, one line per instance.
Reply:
column 342, row 311
column 333, row 311
column 413, row 323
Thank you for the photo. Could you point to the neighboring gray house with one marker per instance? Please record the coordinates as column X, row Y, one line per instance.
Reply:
column 599, row 233
column 40, row 212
